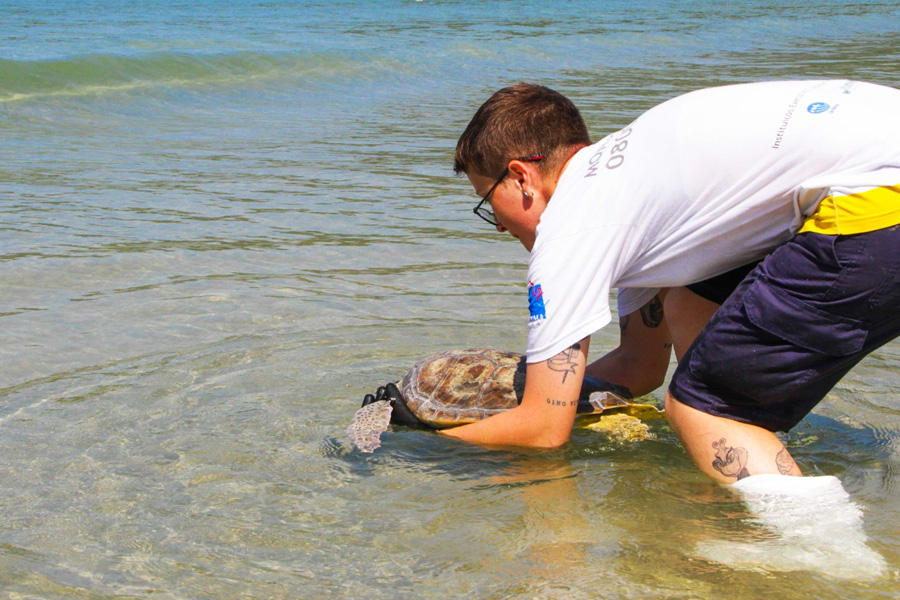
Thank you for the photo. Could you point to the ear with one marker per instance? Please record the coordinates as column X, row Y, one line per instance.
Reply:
column 527, row 175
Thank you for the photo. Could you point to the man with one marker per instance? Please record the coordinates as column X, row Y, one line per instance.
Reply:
column 802, row 174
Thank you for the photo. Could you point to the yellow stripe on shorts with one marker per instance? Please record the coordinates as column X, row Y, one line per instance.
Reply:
column 859, row 212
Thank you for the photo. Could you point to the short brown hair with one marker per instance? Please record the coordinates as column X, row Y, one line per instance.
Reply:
column 516, row 122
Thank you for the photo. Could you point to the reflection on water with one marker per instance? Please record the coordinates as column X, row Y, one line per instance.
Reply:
column 221, row 226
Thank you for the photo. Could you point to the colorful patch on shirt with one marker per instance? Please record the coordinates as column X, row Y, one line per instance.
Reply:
column 536, row 307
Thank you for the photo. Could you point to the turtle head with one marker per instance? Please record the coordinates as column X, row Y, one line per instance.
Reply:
column 388, row 393
column 401, row 414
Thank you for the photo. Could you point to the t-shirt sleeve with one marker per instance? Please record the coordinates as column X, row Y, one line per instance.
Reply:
column 569, row 281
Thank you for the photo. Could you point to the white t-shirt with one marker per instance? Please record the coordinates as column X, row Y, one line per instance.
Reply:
column 695, row 187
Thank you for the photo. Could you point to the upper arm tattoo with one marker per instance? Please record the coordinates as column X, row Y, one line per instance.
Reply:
column 652, row 312
column 566, row 361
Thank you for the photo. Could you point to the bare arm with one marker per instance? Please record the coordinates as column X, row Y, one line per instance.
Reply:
column 544, row 418
column 642, row 357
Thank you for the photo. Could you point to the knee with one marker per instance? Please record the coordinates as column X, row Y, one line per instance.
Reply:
column 681, row 417
column 670, row 403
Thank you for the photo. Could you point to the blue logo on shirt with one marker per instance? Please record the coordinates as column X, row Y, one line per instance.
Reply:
column 817, row 107
column 536, row 302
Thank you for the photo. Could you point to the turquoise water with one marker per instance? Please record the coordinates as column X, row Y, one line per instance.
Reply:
column 222, row 223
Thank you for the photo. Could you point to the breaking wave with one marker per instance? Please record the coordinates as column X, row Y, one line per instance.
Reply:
column 99, row 74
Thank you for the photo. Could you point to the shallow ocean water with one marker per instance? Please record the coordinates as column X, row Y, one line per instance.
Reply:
column 222, row 223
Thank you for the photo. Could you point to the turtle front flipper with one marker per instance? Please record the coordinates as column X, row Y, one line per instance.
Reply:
column 369, row 423
column 378, row 411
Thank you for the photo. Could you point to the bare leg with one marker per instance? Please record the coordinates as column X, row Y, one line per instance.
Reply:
column 686, row 314
column 728, row 450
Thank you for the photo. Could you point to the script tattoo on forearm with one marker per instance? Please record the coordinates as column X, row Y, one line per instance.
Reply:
column 561, row 403
column 785, row 463
column 652, row 313
column 565, row 362
column 730, row 461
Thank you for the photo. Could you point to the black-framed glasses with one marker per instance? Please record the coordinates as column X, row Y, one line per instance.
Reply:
column 486, row 213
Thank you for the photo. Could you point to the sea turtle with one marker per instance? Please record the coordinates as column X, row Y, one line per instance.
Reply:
column 455, row 387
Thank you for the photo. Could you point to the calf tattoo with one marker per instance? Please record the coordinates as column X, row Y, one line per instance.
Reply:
column 785, row 463
column 730, row 461
column 565, row 362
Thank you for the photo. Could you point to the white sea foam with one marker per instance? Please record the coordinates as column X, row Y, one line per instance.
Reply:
column 815, row 527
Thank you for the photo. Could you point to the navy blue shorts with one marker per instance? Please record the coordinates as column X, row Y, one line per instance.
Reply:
column 793, row 328
column 717, row 289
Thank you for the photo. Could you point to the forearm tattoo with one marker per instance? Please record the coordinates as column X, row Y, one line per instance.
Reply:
column 561, row 403
column 652, row 313
column 730, row 461
column 566, row 361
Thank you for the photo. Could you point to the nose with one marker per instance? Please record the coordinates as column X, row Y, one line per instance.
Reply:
column 501, row 228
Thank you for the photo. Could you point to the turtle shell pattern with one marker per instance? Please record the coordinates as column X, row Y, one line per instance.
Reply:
column 461, row 386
